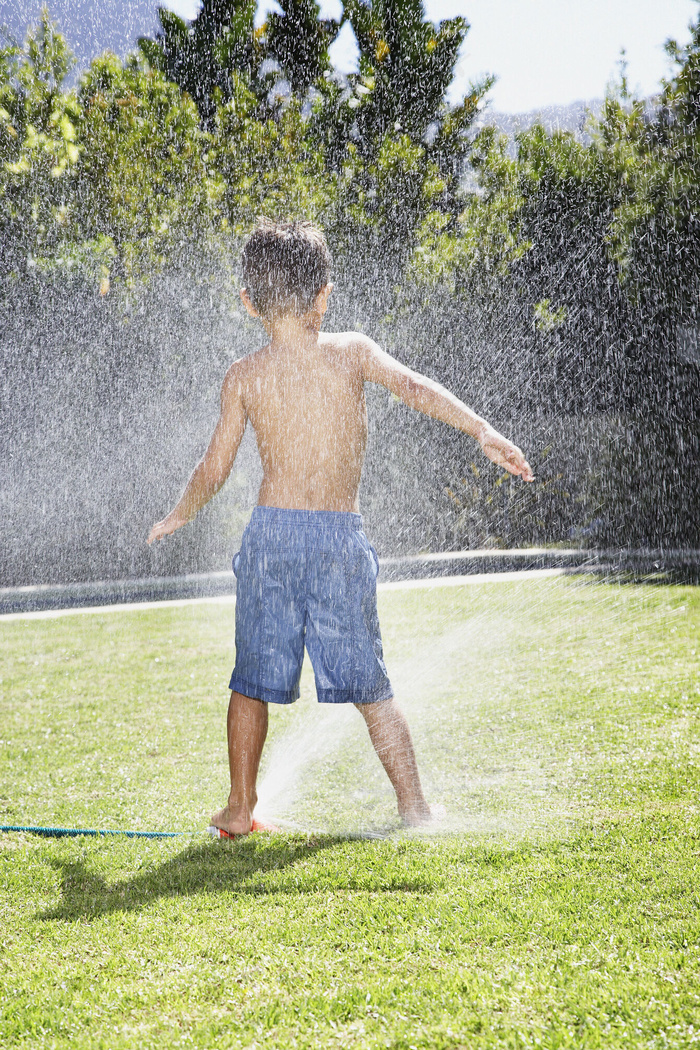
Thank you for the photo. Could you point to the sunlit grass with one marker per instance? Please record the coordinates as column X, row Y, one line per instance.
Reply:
column 556, row 719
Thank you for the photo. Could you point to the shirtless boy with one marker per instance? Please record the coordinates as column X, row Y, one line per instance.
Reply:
column 306, row 572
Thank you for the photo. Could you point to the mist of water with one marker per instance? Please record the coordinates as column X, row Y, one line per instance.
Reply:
column 301, row 765
column 107, row 406
column 108, row 402
column 519, row 716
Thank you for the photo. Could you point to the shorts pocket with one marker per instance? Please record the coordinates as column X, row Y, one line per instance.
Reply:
column 368, row 555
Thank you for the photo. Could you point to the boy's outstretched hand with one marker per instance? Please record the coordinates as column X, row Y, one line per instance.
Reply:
column 503, row 452
column 166, row 527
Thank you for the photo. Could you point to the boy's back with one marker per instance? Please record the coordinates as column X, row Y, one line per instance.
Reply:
column 306, row 403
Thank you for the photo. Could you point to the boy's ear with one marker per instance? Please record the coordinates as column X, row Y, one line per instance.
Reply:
column 321, row 301
column 248, row 304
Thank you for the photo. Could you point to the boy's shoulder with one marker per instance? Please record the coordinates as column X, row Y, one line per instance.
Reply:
column 352, row 353
column 353, row 341
column 354, row 347
column 247, row 367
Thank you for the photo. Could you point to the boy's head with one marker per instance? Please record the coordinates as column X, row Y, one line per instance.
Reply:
column 285, row 266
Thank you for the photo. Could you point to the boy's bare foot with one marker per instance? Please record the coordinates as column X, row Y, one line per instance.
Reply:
column 224, row 822
column 424, row 817
column 233, row 823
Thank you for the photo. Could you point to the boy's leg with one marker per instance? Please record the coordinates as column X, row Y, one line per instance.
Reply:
column 247, row 729
column 391, row 737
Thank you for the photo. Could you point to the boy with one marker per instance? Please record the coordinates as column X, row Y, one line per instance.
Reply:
column 306, row 573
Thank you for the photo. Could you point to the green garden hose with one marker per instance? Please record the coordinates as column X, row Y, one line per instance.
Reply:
column 60, row 833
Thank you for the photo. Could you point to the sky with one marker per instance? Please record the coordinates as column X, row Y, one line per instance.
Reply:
column 544, row 52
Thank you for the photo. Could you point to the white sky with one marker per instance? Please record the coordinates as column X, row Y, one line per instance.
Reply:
column 544, row 52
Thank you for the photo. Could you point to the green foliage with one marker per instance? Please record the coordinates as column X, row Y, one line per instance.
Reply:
column 629, row 199
column 209, row 57
column 548, row 319
column 39, row 149
column 267, row 167
column 112, row 176
column 124, row 159
column 381, row 204
column 143, row 179
column 656, row 235
column 381, row 159
column 203, row 56
column 390, row 130
column 407, row 64
column 471, row 258
column 118, row 179
column 299, row 40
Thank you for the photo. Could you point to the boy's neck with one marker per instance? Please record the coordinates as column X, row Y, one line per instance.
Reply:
column 294, row 330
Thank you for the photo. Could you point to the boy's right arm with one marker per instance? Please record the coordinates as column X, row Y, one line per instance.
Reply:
column 435, row 400
column 215, row 466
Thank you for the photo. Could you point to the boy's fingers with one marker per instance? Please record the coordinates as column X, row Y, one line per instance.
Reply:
column 510, row 457
column 525, row 471
column 520, row 465
column 166, row 527
column 515, row 463
column 157, row 532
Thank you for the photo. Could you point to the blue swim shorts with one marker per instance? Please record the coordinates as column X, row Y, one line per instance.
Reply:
column 307, row 578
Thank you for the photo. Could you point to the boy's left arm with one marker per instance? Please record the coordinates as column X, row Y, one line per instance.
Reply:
column 215, row 466
column 435, row 400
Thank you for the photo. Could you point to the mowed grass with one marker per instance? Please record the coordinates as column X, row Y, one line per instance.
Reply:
column 558, row 907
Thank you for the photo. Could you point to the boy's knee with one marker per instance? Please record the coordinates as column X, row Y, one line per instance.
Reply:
column 364, row 710
column 376, row 709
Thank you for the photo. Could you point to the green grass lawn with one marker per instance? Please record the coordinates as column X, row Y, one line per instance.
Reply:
column 558, row 906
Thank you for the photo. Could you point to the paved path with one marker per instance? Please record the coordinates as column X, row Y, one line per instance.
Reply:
column 229, row 599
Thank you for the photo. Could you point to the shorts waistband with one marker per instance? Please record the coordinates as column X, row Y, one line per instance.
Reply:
column 333, row 519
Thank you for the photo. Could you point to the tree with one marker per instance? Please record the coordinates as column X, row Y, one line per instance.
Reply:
column 268, row 167
column 407, row 65
column 585, row 255
column 298, row 39
column 38, row 147
column 400, row 148
column 143, row 180
column 656, row 234
column 109, row 180
column 203, row 56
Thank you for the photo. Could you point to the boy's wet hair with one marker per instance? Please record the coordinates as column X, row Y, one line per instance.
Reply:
column 285, row 266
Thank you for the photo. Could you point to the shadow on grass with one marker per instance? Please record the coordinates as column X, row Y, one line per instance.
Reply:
column 245, row 867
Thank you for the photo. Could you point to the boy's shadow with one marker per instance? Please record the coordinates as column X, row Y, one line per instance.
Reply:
column 213, row 868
